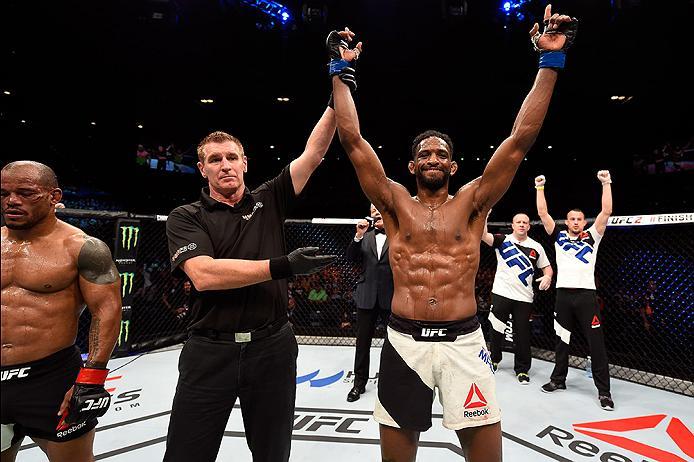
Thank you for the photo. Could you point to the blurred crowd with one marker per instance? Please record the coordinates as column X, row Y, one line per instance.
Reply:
column 170, row 158
column 668, row 158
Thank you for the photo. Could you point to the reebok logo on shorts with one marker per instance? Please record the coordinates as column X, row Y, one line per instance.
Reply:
column 595, row 323
column 479, row 400
column 19, row 373
column 72, row 429
column 475, row 400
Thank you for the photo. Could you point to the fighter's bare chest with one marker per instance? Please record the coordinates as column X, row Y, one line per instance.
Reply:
column 442, row 240
column 443, row 225
column 37, row 268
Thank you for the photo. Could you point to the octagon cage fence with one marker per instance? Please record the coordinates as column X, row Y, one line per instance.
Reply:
column 644, row 274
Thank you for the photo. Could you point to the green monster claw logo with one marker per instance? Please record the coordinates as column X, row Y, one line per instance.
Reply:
column 127, row 283
column 128, row 235
column 127, row 332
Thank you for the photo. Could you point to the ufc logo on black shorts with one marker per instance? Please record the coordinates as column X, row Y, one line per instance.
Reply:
column 20, row 373
column 428, row 333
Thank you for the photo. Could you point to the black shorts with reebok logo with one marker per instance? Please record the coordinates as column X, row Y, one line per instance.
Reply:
column 32, row 394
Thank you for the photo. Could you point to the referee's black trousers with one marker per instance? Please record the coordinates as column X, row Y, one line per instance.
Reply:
column 212, row 374
column 578, row 309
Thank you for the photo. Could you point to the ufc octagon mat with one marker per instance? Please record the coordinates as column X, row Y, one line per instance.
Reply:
column 647, row 424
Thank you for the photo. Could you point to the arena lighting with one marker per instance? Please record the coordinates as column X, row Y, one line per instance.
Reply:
column 513, row 9
column 270, row 8
column 207, row 101
column 283, row 99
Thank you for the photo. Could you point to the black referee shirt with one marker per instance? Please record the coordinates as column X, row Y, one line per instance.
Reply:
column 253, row 229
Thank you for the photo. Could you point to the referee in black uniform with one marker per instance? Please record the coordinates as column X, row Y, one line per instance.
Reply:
column 231, row 245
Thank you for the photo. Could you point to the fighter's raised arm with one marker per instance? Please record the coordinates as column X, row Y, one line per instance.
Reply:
column 558, row 35
column 317, row 145
column 487, row 237
column 372, row 177
column 606, row 201
column 541, row 203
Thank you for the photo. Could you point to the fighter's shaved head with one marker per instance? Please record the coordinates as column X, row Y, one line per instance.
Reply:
column 43, row 174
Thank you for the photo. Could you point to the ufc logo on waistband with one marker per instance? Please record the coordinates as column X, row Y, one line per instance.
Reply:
column 426, row 332
column 20, row 373
column 96, row 404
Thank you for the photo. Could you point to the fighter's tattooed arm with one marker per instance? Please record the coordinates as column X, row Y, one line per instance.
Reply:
column 100, row 286
column 95, row 263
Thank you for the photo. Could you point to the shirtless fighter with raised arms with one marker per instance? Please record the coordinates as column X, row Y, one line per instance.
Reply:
column 50, row 270
column 434, row 339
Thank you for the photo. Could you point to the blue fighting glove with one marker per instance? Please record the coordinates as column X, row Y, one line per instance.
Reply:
column 339, row 66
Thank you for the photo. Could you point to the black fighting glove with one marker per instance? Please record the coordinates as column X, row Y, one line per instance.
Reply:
column 300, row 261
column 89, row 398
column 550, row 55
column 338, row 66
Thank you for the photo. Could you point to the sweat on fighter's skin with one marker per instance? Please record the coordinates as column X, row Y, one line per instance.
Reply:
column 50, row 271
column 434, row 253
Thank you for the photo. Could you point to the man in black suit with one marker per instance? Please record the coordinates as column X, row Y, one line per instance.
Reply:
column 373, row 294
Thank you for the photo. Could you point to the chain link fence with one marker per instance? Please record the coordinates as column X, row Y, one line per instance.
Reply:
column 644, row 277
column 155, row 307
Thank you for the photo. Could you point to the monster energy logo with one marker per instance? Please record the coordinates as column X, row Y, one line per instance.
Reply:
column 128, row 236
column 127, row 283
column 127, row 332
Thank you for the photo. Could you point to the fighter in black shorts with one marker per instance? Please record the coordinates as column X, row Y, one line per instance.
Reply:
column 50, row 271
